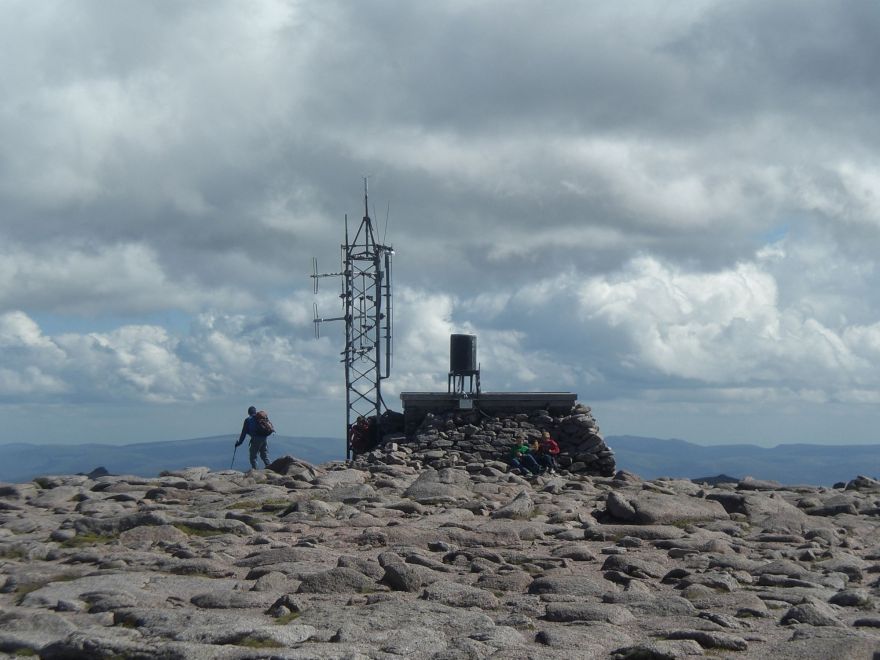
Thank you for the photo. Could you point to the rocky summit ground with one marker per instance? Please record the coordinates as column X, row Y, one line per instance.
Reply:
column 389, row 561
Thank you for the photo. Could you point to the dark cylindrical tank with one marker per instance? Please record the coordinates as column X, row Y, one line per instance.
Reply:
column 462, row 353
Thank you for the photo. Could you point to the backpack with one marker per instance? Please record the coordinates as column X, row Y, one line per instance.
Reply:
column 260, row 424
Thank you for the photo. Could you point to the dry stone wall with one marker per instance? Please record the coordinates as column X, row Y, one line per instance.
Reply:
column 476, row 440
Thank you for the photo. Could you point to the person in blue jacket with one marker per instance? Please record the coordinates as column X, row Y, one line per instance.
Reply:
column 259, row 443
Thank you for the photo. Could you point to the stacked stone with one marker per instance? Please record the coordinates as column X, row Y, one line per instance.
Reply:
column 477, row 441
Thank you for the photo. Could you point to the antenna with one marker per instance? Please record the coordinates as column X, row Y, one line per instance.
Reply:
column 366, row 197
column 318, row 320
column 367, row 312
column 317, row 276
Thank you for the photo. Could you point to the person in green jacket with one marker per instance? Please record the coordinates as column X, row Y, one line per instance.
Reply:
column 521, row 457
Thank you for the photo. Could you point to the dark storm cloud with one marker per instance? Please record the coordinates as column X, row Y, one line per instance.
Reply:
column 806, row 60
column 193, row 137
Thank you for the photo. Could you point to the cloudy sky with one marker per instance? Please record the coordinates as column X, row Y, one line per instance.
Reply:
column 672, row 209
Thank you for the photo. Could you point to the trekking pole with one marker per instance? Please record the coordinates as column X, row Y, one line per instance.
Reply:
column 234, row 449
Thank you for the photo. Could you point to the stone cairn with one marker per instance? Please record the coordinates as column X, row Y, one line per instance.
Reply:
column 476, row 441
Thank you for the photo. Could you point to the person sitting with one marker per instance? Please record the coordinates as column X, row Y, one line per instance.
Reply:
column 521, row 458
column 549, row 450
column 534, row 446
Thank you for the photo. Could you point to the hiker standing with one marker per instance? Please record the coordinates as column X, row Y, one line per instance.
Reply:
column 258, row 426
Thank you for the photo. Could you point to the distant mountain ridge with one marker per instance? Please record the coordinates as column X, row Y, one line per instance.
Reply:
column 820, row 465
column 650, row 458
column 21, row 462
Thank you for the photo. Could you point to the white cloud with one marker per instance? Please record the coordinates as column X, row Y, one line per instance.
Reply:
column 729, row 329
column 133, row 363
column 126, row 278
column 18, row 331
column 423, row 322
column 221, row 356
column 861, row 195
column 28, row 382
column 688, row 325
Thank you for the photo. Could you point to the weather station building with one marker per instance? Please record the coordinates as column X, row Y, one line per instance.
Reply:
column 464, row 392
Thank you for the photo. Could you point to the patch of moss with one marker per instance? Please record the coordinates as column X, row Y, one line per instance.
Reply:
column 244, row 504
column 81, row 540
column 23, row 652
column 11, row 552
column 747, row 614
column 195, row 531
column 258, row 643
column 287, row 618
column 681, row 524
column 275, row 504
column 23, row 590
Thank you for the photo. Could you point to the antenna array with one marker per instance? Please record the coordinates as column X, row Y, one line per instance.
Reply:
column 367, row 312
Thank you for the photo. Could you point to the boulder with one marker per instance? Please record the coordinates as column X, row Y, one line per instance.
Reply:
column 649, row 508
column 336, row 580
column 433, row 487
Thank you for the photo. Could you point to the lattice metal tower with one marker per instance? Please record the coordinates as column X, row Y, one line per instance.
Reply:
column 367, row 312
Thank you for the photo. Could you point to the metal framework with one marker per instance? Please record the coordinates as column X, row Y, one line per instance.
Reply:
column 455, row 382
column 367, row 312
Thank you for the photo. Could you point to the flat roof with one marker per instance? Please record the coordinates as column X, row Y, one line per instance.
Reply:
column 486, row 396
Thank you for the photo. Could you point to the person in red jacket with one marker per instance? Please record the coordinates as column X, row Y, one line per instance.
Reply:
column 548, row 452
column 359, row 435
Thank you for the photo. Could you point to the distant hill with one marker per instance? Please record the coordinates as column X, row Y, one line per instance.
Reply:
column 22, row 462
column 820, row 465
column 648, row 457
